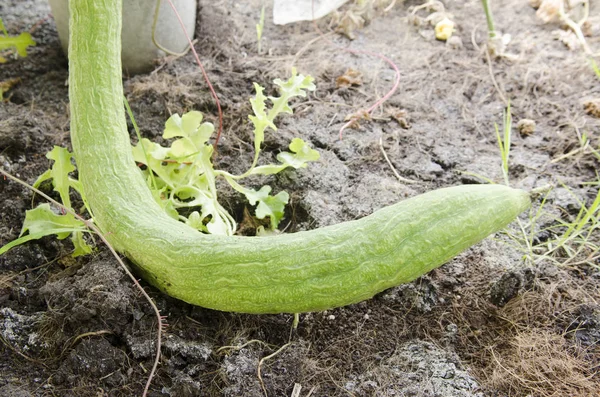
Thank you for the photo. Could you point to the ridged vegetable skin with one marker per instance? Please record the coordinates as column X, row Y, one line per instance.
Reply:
column 307, row 271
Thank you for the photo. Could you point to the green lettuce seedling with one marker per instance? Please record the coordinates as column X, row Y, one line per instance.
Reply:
column 19, row 43
column 183, row 176
column 43, row 220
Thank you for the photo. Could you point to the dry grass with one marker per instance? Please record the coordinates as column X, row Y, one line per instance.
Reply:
column 524, row 348
column 540, row 363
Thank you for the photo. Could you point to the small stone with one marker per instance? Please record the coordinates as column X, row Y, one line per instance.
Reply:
column 415, row 20
column 535, row 3
column 510, row 285
column 526, row 127
column 455, row 42
column 331, row 317
column 592, row 107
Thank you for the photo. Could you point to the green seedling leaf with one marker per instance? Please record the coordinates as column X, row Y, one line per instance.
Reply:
column 20, row 43
column 595, row 68
column 273, row 207
column 182, row 126
column 194, row 134
column 260, row 120
column 30, row 237
column 60, row 172
column 212, row 219
column 294, row 86
column 260, row 27
column 195, row 221
column 254, row 196
column 42, row 221
column 170, row 173
column 81, row 247
column 301, row 154
column 185, row 175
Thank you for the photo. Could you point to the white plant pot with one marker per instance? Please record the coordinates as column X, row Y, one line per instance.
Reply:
column 139, row 51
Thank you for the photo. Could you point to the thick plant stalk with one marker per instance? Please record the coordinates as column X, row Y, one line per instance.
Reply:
column 293, row 273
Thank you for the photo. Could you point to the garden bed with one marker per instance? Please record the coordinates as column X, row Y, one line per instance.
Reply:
column 500, row 319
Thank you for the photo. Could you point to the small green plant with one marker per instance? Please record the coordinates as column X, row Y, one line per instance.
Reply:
column 595, row 68
column 504, row 141
column 489, row 19
column 497, row 42
column 18, row 43
column 182, row 176
column 570, row 241
column 44, row 220
column 586, row 146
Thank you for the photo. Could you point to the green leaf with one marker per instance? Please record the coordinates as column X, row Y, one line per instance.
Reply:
column 81, row 247
column 273, row 207
column 182, row 149
column 261, row 24
column 254, row 196
column 170, row 172
column 195, row 221
column 203, row 134
column 178, row 126
column 190, row 121
column 43, row 220
column 217, row 225
column 194, row 135
column 294, row 86
column 20, row 43
column 42, row 178
column 60, row 173
column 32, row 236
column 186, row 175
column 301, row 154
column 260, row 119
column 166, row 205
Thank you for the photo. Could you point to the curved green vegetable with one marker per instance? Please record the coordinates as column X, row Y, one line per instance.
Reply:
column 300, row 272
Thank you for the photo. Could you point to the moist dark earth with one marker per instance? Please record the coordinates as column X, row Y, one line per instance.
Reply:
column 498, row 320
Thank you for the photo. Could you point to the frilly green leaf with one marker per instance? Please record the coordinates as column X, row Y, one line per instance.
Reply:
column 273, row 207
column 43, row 220
column 59, row 173
column 20, row 43
column 301, row 154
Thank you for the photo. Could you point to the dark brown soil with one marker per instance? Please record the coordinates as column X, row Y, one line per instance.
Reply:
column 489, row 323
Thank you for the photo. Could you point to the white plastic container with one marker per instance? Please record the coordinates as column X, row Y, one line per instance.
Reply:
column 288, row 11
column 139, row 51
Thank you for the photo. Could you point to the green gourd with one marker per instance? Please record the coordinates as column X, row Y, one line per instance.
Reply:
column 307, row 271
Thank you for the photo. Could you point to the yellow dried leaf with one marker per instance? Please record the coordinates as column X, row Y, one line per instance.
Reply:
column 349, row 78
